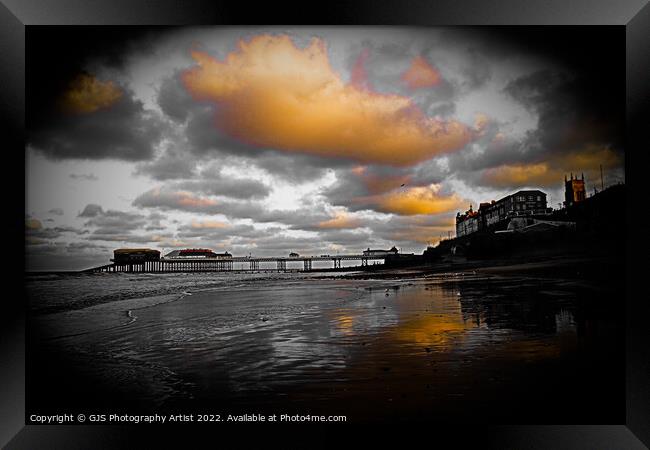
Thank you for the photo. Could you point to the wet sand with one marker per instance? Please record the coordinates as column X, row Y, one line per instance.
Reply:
column 475, row 347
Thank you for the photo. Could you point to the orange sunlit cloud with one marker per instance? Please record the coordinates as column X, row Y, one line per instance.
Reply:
column 87, row 94
column 208, row 224
column 518, row 175
column 380, row 183
column 418, row 200
column 550, row 173
column 271, row 93
column 421, row 74
column 188, row 199
column 340, row 221
column 173, row 199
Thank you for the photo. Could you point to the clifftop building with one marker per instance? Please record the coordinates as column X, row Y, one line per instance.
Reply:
column 574, row 190
column 493, row 214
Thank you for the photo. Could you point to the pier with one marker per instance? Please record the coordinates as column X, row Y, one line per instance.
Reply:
column 247, row 264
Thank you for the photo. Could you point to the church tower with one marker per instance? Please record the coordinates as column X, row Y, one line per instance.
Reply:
column 574, row 190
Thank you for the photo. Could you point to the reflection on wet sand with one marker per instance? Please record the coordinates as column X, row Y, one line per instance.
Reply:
column 374, row 350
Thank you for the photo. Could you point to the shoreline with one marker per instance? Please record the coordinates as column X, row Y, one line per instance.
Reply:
column 577, row 266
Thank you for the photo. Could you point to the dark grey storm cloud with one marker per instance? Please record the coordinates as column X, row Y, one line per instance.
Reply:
column 123, row 131
column 236, row 233
column 348, row 187
column 123, row 226
column 506, row 151
column 573, row 110
column 355, row 191
column 198, row 120
column 112, row 221
column 36, row 234
column 171, row 165
column 155, row 224
column 73, row 247
column 112, row 225
column 91, row 210
column 211, row 181
column 572, row 120
column 113, row 236
column 294, row 168
column 174, row 100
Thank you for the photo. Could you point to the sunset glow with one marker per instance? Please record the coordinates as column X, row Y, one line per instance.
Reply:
column 87, row 94
column 270, row 93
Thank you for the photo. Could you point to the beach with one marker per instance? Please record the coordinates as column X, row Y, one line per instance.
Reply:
column 403, row 346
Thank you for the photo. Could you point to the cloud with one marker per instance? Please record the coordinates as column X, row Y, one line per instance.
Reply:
column 357, row 187
column 518, row 175
column 87, row 94
column 91, row 210
column 295, row 168
column 168, row 166
column 208, row 224
column 36, row 234
column 123, row 226
column 378, row 181
column 116, row 226
column 570, row 115
column 168, row 199
column 56, row 211
column 420, row 74
column 550, row 173
column 576, row 131
column 392, row 192
column 420, row 229
column 417, row 200
column 98, row 129
column 140, row 238
column 353, row 239
column 224, row 186
column 155, row 219
column 83, row 176
column 342, row 220
column 359, row 76
column 116, row 221
column 271, row 94
column 180, row 200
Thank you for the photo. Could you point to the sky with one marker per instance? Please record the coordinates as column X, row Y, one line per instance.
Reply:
column 270, row 140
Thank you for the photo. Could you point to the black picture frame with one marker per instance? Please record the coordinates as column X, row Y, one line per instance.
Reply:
column 15, row 15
